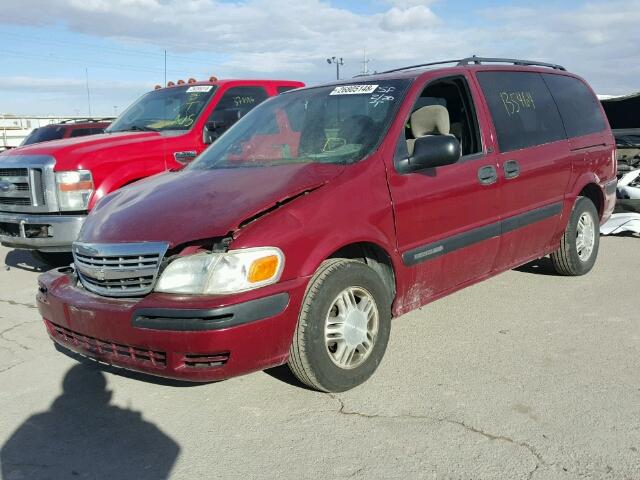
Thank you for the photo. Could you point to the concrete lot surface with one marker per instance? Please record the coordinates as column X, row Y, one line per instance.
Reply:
column 527, row 375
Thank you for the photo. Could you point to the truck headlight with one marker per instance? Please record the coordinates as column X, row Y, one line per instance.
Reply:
column 222, row 273
column 74, row 189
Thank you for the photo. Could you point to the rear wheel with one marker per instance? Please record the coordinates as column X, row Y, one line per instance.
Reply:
column 343, row 328
column 579, row 245
column 53, row 259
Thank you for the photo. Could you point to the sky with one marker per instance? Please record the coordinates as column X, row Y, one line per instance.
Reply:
column 51, row 49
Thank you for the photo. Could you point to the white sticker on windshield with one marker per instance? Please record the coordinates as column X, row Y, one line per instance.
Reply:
column 199, row 88
column 354, row 90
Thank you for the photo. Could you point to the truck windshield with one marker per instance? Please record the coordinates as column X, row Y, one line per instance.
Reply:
column 175, row 108
column 44, row 134
column 334, row 124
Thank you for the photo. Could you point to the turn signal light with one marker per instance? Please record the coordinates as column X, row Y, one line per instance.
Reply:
column 263, row 269
column 74, row 187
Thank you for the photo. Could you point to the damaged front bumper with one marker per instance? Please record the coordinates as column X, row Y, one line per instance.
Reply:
column 194, row 338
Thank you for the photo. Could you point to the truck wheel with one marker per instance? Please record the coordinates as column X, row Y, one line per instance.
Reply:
column 343, row 328
column 579, row 245
column 53, row 259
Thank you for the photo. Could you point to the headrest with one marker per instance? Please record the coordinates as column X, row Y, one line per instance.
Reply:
column 430, row 120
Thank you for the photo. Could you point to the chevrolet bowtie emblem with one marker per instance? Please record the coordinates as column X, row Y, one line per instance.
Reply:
column 6, row 187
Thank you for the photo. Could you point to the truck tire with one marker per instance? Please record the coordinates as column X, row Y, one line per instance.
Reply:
column 579, row 244
column 53, row 259
column 343, row 327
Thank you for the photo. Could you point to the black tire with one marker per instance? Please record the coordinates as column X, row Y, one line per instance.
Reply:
column 309, row 358
column 53, row 259
column 566, row 259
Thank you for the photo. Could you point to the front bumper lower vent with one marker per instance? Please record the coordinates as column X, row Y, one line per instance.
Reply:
column 107, row 349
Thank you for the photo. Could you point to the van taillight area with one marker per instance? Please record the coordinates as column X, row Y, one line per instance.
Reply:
column 105, row 330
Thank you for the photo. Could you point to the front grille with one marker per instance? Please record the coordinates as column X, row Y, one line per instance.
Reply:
column 119, row 270
column 106, row 348
column 15, row 201
column 13, row 172
column 21, row 187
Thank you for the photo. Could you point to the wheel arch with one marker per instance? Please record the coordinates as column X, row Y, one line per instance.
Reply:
column 375, row 257
column 593, row 192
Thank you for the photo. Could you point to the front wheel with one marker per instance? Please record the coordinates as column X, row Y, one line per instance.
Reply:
column 343, row 328
column 579, row 245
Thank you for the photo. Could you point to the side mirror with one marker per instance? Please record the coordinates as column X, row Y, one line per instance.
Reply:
column 212, row 130
column 431, row 151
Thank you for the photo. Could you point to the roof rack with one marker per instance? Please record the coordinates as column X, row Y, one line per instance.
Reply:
column 514, row 61
column 86, row 120
column 479, row 61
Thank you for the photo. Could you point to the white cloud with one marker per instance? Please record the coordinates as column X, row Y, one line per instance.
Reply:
column 291, row 39
column 415, row 17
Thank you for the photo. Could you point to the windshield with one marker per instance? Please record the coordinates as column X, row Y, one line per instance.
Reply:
column 335, row 124
column 175, row 108
column 44, row 134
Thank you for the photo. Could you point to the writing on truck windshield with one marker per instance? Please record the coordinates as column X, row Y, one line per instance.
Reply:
column 335, row 124
column 175, row 108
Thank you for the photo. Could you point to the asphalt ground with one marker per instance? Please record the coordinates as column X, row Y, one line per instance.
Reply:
column 527, row 375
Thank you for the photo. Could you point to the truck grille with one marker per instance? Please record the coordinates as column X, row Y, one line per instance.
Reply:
column 119, row 270
column 21, row 187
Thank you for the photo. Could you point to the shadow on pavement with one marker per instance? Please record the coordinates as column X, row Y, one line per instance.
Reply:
column 83, row 436
column 541, row 266
column 283, row 374
column 24, row 260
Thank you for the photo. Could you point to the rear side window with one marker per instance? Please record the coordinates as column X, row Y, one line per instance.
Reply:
column 579, row 108
column 523, row 110
column 80, row 132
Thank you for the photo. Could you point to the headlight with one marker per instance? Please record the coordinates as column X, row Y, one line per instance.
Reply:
column 220, row 273
column 74, row 189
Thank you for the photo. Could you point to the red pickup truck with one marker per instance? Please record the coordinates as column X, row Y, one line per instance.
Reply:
column 46, row 190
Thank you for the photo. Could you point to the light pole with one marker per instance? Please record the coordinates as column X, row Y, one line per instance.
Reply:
column 338, row 62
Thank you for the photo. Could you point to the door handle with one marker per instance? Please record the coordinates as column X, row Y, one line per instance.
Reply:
column 487, row 175
column 511, row 169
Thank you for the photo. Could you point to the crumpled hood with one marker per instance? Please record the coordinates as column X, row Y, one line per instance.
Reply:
column 190, row 205
column 69, row 152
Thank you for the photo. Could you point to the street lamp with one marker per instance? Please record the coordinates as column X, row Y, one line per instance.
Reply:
column 338, row 62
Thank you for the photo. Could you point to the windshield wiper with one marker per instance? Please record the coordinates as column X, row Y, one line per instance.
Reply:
column 142, row 128
column 134, row 128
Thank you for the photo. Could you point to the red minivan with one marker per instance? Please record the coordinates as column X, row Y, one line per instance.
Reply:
column 326, row 211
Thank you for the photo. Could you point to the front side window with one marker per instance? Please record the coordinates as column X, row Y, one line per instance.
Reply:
column 453, row 100
column 234, row 104
column 174, row 108
column 523, row 111
column 334, row 124
column 579, row 108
